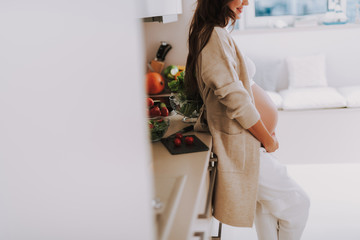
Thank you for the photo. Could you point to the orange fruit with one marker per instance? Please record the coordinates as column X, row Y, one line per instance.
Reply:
column 154, row 83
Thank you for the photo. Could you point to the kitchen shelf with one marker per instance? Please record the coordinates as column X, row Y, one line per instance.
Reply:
column 161, row 95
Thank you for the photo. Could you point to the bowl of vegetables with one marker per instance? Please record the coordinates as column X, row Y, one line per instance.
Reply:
column 158, row 126
column 188, row 108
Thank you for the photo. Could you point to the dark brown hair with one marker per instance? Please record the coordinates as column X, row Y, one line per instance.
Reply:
column 208, row 14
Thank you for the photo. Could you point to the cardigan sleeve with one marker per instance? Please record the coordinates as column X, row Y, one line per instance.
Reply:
column 218, row 71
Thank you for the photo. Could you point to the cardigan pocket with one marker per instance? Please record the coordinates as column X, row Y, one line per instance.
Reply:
column 226, row 125
column 230, row 150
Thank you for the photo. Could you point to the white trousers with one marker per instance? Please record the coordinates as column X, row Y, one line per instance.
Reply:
column 282, row 205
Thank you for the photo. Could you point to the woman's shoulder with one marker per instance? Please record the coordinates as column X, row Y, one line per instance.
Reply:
column 222, row 33
column 221, row 30
column 220, row 39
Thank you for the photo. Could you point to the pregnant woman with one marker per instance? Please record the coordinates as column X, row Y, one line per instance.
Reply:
column 251, row 185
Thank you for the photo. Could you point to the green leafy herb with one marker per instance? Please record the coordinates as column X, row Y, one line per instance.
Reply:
column 180, row 103
column 158, row 128
column 177, row 85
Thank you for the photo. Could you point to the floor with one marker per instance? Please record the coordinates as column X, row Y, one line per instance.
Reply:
column 335, row 203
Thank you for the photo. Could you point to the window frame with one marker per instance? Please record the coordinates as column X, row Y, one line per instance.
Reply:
column 251, row 21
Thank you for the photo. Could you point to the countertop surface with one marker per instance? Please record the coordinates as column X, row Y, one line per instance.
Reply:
column 188, row 169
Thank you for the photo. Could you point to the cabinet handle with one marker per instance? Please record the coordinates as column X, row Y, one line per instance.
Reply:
column 219, row 232
column 212, row 169
column 199, row 234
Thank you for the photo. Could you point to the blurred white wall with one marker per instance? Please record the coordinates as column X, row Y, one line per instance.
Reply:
column 175, row 33
column 74, row 156
column 339, row 44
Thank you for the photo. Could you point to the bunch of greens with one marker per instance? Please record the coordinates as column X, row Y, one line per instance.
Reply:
column 180, row 103
column 177, row 85
column 190, row 108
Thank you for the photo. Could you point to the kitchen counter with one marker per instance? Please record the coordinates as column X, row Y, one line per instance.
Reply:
column 180, row 181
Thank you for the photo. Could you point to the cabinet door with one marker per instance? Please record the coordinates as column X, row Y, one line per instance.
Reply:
column 201, row 226
column 153, row 8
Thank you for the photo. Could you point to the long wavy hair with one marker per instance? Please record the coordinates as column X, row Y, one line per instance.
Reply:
column 207, row 15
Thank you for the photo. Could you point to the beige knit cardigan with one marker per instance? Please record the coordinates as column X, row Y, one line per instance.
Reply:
column 225, row 88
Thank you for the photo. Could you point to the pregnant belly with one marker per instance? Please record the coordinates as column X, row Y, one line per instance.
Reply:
column 269, row 117
column 266, row 108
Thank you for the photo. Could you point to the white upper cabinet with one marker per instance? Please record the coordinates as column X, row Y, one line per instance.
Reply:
column 169, row 9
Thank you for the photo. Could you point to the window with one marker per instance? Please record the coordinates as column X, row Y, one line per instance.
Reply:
column 353, row 11
column 284, row 7
column 282, row 13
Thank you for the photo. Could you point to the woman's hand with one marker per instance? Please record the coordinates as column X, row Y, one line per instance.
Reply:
column 273, row 145
column 269, row 141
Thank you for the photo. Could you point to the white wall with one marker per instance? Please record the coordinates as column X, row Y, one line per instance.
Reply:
column 175, row 33
column 74, row 154
column 269, row 48
column 340, row 45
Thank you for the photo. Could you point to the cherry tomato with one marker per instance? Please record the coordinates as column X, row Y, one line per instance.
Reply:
column 177, row 142
column 189, row 140
column 155, row 112
column 150, row 102
column 164, row 111
column 178, row 135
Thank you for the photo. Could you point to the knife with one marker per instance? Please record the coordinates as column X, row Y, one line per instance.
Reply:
column 157, row 64
column 162, row 51
column 184, row 130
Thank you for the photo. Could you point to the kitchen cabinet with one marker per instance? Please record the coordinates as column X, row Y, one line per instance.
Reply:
column 183, row 186
column 202, row 221
column 160, row 10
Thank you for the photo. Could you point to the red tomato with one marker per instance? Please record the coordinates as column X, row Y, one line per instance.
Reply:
column 189, row 140
column 155, row 112
column 177, row 142
column 154, row 83
column 178, row 135
column 164, row 111
column 150, row 102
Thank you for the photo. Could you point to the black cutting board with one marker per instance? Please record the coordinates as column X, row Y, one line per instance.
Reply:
column 197, row 146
